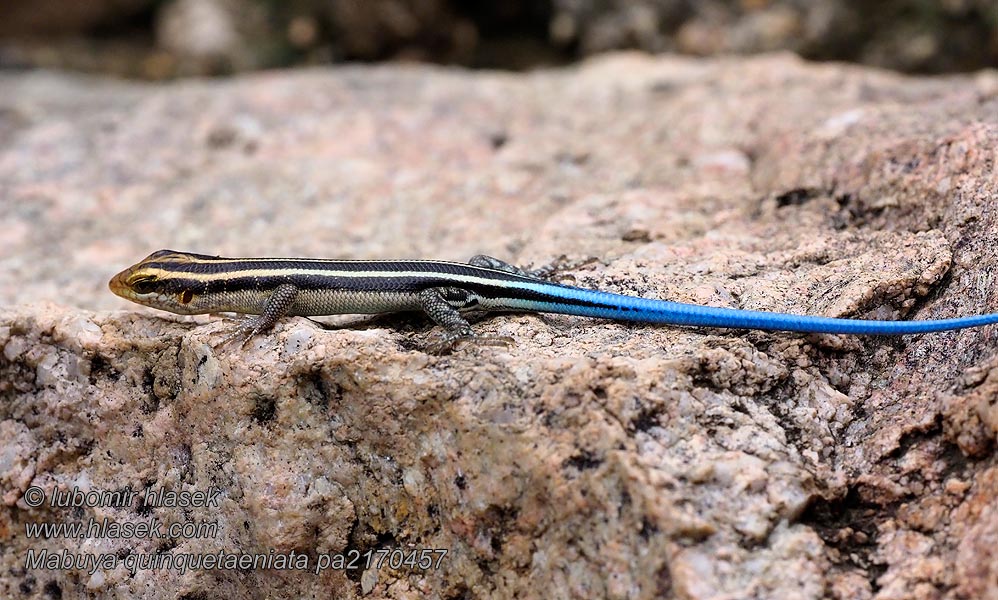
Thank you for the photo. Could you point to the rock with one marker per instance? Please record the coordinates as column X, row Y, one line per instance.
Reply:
column 591, row 459
column 26, row 18
column 213, row 31
column 173, row 38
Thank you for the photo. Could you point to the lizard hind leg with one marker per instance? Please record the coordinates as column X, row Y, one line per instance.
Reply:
column 542, row 272
column 491, row 262
column 456, row 328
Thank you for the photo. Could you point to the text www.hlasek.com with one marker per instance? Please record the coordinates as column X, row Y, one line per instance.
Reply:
column 107, row 529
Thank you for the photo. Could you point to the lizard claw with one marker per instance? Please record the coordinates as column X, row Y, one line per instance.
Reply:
column 554, row 270
column 246, row 330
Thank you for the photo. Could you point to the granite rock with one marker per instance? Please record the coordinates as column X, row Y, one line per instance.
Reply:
column 591, row 459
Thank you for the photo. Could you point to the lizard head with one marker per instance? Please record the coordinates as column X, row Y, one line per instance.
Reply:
column 155, row 281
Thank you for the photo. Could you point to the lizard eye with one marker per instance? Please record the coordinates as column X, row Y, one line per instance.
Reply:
column 144, row 285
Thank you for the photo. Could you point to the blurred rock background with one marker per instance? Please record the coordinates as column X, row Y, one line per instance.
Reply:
column 155, row 39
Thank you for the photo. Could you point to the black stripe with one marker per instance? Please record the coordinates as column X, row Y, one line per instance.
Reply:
column 516, row 293
column 178, row 285
column 400, row 283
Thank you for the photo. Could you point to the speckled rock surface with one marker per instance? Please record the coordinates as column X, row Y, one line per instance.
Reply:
column 591, row 459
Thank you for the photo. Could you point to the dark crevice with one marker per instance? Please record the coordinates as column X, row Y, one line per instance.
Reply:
column 264, row 409
column 914, row 437
column 850, row 526
column 647, row 418
column 796, row 197
column 151, row 404
column 52, row 589
column 100, row 368
column 583, row 460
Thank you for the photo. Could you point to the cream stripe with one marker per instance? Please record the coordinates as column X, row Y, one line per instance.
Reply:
column 214, row 260
column 453, row 277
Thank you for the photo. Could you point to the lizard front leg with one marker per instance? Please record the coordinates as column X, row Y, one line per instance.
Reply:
column 434, row 302
column 277, row 306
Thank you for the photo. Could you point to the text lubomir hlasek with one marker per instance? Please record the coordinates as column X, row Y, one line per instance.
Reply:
column 152, row 497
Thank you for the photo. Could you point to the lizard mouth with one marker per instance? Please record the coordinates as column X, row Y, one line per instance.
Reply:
column 134, row 283
column 119, row 284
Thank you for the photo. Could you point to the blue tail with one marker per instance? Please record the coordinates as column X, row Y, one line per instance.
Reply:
column 590, row 303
